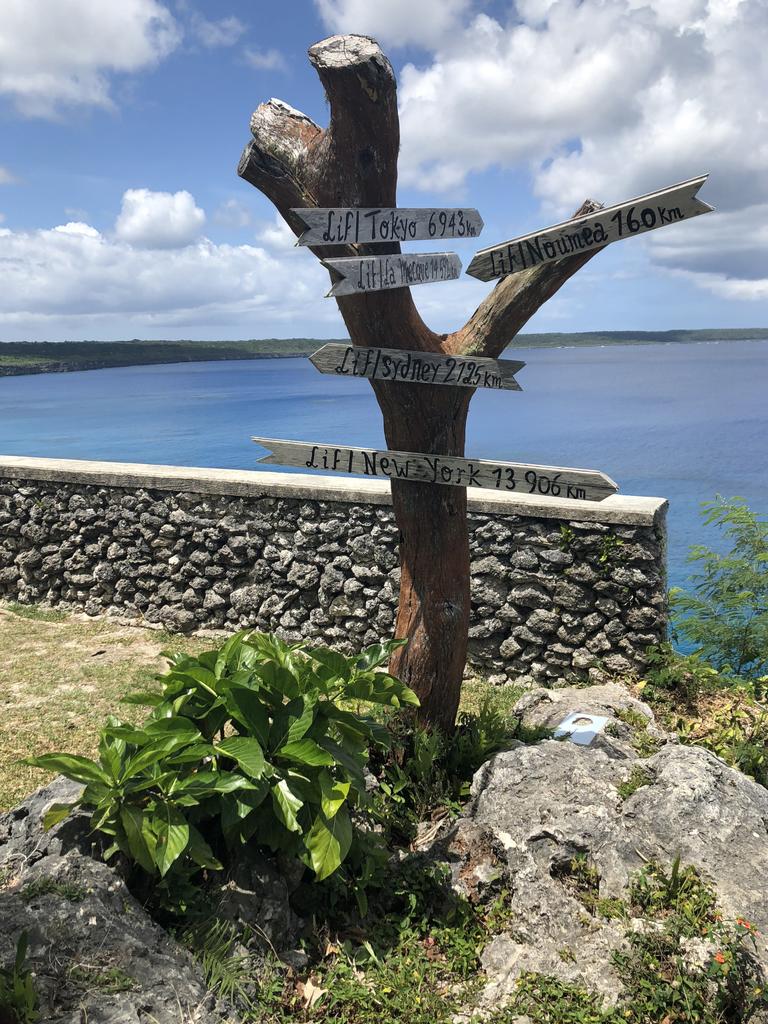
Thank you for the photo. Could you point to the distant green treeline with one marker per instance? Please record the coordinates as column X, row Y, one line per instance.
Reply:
column 17, row 357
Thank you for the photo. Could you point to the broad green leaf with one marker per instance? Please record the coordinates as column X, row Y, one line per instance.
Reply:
column 111, row 749
column 334, row 794
column 172, row 831
column 286, row 805
column 80, row 769
column 150, row 755
column 328, row 843
column 57, row 813
column 381, row 688
column 339, row 666
column 200, row 676
column 237, row 809
column 213, row 782
column 178, row 728
column 145, row 698
column 278, row 678
column 132, row 820
column 174, row 729
column 246, row 751
column 305, row 751
column 304, row 785
column 188, row 755
column 297, row 727
column 353, row 765
column 245, row 704
column 228, row 654
column 366, row 728
column 377, row 655
column 200, row 851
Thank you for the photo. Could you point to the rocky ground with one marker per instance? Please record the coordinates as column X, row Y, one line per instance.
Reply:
column 632, row 797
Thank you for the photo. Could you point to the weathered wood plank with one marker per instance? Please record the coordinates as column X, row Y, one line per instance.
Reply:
column 346, row 225
column 634, row 217
column 559, row 482
column 378, row 273
column 396, row 364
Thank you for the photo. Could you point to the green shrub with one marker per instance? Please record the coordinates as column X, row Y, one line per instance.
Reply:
column 685, row 676
column 726, row 616
column 18, row 999
column 246, row 743
column 426, row 772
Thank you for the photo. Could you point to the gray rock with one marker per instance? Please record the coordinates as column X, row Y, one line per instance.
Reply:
column 97, row 926
column 535, row 807
column 178, row 620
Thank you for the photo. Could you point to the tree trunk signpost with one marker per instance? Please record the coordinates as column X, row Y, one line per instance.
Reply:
column 336, row 189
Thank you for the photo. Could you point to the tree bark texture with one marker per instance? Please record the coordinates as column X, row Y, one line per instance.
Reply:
column 353, row 162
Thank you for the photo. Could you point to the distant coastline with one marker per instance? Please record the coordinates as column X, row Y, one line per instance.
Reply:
column 25, row 357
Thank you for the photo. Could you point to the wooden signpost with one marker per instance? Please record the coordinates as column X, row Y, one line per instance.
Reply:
column 353, row 225
column 416, row 367
column 636, row 216
column 337, row 186
column 554, row 481
column 377, row 273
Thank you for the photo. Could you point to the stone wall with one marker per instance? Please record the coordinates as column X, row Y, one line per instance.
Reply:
column 558, row 587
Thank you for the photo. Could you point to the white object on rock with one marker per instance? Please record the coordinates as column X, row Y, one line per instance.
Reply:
column 581, row 727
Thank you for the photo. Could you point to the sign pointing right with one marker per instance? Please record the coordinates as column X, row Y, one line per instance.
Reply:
column 636, row 216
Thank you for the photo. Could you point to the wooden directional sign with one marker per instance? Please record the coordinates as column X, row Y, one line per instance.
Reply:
column 636, row 216
column 395, row 364
column 584, row 484
column 375, row 273
column 349, row 225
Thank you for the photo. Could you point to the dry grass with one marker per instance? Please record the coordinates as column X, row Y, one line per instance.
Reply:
column 60, row 676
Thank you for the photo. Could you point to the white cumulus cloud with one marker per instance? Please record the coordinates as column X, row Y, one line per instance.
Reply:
column 57, row 53
column 265, row 60
column 159, row 220
column 73, row 281
column 6, row 178
column 224, row 32
column 396, row 22
column 607, row 99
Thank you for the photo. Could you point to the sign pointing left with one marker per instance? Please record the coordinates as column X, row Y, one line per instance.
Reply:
column 376, row 273
column 401, row 365
column 446, row 470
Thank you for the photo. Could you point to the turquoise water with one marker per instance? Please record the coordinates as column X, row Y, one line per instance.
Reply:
column 679, row 421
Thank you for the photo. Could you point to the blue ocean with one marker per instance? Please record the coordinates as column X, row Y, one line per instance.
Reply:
column 681, row 421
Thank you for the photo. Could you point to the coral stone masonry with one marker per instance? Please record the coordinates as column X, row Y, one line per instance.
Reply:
column 559, row 587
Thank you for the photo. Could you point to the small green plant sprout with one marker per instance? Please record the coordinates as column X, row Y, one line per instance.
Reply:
column 725, row 617
column 251, row 742
column 567, row 537
column 609, row 548
column 18, row 998
column 638, row 777
column 43, row 886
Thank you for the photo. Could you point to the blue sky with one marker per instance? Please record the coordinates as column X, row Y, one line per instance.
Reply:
column 121, row 126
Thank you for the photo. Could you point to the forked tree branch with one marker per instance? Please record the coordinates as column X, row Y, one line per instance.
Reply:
column 353, row 162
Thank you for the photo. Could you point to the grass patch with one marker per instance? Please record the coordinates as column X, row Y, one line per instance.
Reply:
column 638, row 777
column 98, row 978
column 63, row 674
column 709, row 709
column 45, row 886
column 642, row 742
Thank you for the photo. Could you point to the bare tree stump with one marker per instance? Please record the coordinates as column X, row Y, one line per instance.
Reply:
column 351, row 163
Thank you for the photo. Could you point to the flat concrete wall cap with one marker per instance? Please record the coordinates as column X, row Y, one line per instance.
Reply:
column 618, row 509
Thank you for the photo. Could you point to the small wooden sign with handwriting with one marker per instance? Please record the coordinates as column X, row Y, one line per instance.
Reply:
column 351, row 226
column 377, row 273
column 636, row 216
column 451, row 471
column 394, row 364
